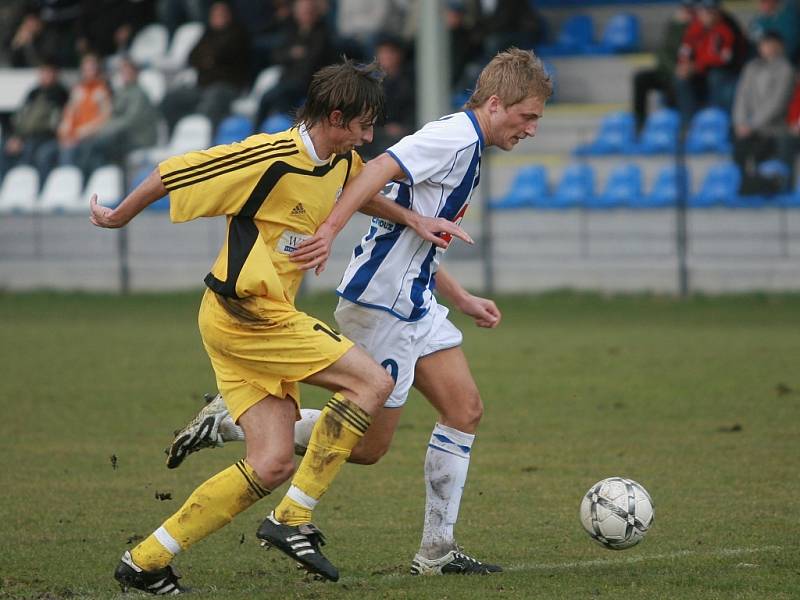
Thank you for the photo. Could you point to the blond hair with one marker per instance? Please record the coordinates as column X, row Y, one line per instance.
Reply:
column 512, row 75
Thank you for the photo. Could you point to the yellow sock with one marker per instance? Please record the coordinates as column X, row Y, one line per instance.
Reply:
column 341, row 424
column 210, row 507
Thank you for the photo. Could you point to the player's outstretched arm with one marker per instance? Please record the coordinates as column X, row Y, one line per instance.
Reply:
column 314, row 252
column 482, row 310
column 432, row 229
column 147, row 192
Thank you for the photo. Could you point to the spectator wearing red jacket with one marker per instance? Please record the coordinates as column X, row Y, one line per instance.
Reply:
column 789, row 142
column 708, row 61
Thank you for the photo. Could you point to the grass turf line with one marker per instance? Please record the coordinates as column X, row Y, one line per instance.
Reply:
column 698, row 401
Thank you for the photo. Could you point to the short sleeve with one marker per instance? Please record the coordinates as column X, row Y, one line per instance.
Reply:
column 426, row 153
column 208, row 183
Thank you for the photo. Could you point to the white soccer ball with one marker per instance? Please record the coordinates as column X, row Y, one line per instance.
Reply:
column 617, row 512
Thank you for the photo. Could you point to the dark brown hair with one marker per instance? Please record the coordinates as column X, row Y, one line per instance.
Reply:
column 355, row 89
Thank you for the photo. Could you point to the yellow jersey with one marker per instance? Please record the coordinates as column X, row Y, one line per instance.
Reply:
column 275, row 193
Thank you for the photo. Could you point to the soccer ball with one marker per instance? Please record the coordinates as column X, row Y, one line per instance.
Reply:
column 617, row 512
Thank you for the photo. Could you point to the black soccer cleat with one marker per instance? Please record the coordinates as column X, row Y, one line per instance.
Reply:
column 163, row 582
column 301, row 543
column 454, row 562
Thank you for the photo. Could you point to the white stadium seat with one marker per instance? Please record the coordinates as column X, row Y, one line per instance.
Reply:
column 192, row 132
column 154, row 84
column 19, row 190
column 62, row 191
column 266, row 80
column 149, row 44
column 183, row 41
column 106, row 182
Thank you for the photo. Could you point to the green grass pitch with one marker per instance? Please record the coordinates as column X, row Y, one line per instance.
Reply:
column 699, row 401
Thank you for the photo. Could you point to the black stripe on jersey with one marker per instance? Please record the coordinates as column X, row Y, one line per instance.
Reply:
column 240, row 153
column 243, row 233
column 240, row 163
column 259, row 490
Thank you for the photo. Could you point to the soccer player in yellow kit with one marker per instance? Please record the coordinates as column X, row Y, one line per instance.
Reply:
column 274, row 191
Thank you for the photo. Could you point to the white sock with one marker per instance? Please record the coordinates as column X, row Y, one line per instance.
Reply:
column 231, row 432
column 446, row 465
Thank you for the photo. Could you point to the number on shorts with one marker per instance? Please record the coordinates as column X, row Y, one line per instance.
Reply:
column 391, row 366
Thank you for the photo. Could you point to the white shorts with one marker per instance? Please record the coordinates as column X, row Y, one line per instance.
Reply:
column 397, row 344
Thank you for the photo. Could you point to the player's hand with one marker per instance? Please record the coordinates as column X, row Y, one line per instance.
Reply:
column 439, row 231
column 314, row 252
column 482, row 310
column 101, row 215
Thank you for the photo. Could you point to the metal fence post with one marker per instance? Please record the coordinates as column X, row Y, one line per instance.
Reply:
column 122, row 236
column 681, row 204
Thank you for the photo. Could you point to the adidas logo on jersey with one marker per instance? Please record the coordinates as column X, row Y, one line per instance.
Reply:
column 298, row 210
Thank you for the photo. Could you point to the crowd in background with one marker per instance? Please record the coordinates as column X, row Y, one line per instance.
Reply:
column 96, row 122
column 707, row 58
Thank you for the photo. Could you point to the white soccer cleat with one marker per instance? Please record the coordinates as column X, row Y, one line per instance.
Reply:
column 201, row 432
column 454, row 562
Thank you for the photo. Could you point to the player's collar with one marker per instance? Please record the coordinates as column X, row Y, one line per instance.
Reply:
column 309, row 144
column 477, row 126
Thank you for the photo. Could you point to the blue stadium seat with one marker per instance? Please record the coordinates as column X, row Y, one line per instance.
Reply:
column 616, row 135
column 276, row 123
column 709, row 131
column 234, row 128
column 138, row 177
column 660, row 132
column 576, row 36
column 720, row 185
column 576, row 186
column 665, row 189
column 529, row 188
column 620, row 34
column 623, row 187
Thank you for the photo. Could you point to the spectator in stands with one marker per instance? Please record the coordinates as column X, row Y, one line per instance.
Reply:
column 266, row 21
column 398, row 85
column 106, row 27
column 781, row 16
column 661, row 77
column 10, row 13
column 133, row 124
column 466, row 45
column 308, row 46
column 221, row 59
column 359, row 23
column 36, row 121
column 759, row 111
column 88, row 108
column 27, row 45
column 46, row 28
column 173, row 13
column 507, row 23
column 708, row 61
column 789, row 142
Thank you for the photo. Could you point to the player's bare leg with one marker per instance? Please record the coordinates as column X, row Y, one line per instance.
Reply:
column 361, row 388
column 269, row 429
column 445, row 380
column 213, row 426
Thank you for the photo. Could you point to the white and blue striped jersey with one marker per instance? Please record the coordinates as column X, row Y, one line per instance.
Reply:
column 393, row 268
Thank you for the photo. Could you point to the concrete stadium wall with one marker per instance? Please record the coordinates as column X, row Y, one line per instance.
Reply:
column 729, row 250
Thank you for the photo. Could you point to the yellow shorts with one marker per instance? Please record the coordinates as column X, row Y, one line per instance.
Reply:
column 259, row 349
